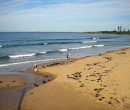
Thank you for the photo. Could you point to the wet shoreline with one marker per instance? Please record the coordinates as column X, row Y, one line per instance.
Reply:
column 11, row 97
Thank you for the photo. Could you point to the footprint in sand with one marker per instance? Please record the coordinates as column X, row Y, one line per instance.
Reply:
column 97, row 95
column 75, row 76
column 89, row 68
column 103, row 85
column 7, row 85
column 82, row 85
column 109, row 102
column 92, row 80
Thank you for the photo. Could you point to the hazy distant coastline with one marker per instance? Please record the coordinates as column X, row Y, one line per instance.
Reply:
column 108, row 32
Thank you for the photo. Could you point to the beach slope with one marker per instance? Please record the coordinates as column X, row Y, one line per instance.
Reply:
column 100, row 82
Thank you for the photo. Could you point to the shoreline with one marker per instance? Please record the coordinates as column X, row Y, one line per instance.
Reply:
column 95, row 79
column 109, row 32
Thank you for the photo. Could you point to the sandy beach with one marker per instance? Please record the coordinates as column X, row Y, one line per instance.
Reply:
column 12, row 80
column 100, row 82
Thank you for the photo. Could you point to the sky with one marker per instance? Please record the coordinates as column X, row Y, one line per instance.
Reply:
column 63, row 15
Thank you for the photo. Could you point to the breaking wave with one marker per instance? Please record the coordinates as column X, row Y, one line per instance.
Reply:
column 89, row 41
column 48, row 52
column 77, row 48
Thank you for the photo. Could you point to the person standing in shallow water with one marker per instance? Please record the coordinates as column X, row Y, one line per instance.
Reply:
column 35, row 68
column 68, row 54
column 36, row 76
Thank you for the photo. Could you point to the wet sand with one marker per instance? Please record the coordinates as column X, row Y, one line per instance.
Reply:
column 100, row 82
column 14, row 86
column 12, row 80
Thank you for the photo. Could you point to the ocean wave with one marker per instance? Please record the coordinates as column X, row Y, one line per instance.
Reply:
column 63, row 50
column 77, row 48
column 72, row 42
column 89, row 41
column 40, row 53
column 17, row 45
column 48, row 52
column 102, row 45
column 37, row 44
column 24, row 55
column 4, row 57
column 45, row 43
column 94, row 38
column 17, row 63
column 29, row 55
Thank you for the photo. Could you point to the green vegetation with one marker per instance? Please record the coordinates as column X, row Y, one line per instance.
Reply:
column 109, row 32
column 119, row 31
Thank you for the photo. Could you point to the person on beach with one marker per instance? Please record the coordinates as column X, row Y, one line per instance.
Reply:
column 36, row 76
column 35, row 68
column 68, row 54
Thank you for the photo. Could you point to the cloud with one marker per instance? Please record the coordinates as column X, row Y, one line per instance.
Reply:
column 62, row 13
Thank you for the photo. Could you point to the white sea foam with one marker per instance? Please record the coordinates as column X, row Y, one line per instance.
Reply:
column 125, row 46
column 0, row 46
column 77, row 48
column 18, row 63
column 94, row 38
column 89, row 41
column 63, row 50
column 10, row 64
column 98, row 45
column 42, row 52
column 24, row 55
column 45, row 43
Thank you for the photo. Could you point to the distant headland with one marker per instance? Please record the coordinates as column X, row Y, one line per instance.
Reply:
column 118, row 31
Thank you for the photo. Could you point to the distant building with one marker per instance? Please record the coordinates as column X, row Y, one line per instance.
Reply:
column 120, row 28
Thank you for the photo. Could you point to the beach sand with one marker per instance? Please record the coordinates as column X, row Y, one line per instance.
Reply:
column 100, row 82
column 11, row 80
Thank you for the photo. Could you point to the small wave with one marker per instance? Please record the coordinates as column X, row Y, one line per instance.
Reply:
column 94, row 38
column 77, row 48
column 72, row 42
column 40, row 53
column 17, row 45
column 38, row 44
column 10, row 64
column 98, row 45
column 4, row 57
column 0, row 46
column 33, row 54
column 18, row 63
column 24, row 55
column 63, row 50
column 89, row 41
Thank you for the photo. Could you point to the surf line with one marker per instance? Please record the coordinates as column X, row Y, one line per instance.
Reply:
column 18, row 63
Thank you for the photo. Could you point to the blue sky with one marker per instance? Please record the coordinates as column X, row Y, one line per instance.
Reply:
column 64, row 15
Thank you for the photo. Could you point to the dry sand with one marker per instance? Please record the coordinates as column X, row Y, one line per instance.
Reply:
column 99, row 82
column 11, row 80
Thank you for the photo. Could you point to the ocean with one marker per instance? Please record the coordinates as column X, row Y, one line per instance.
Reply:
column 39, row 47
column 21, row 50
